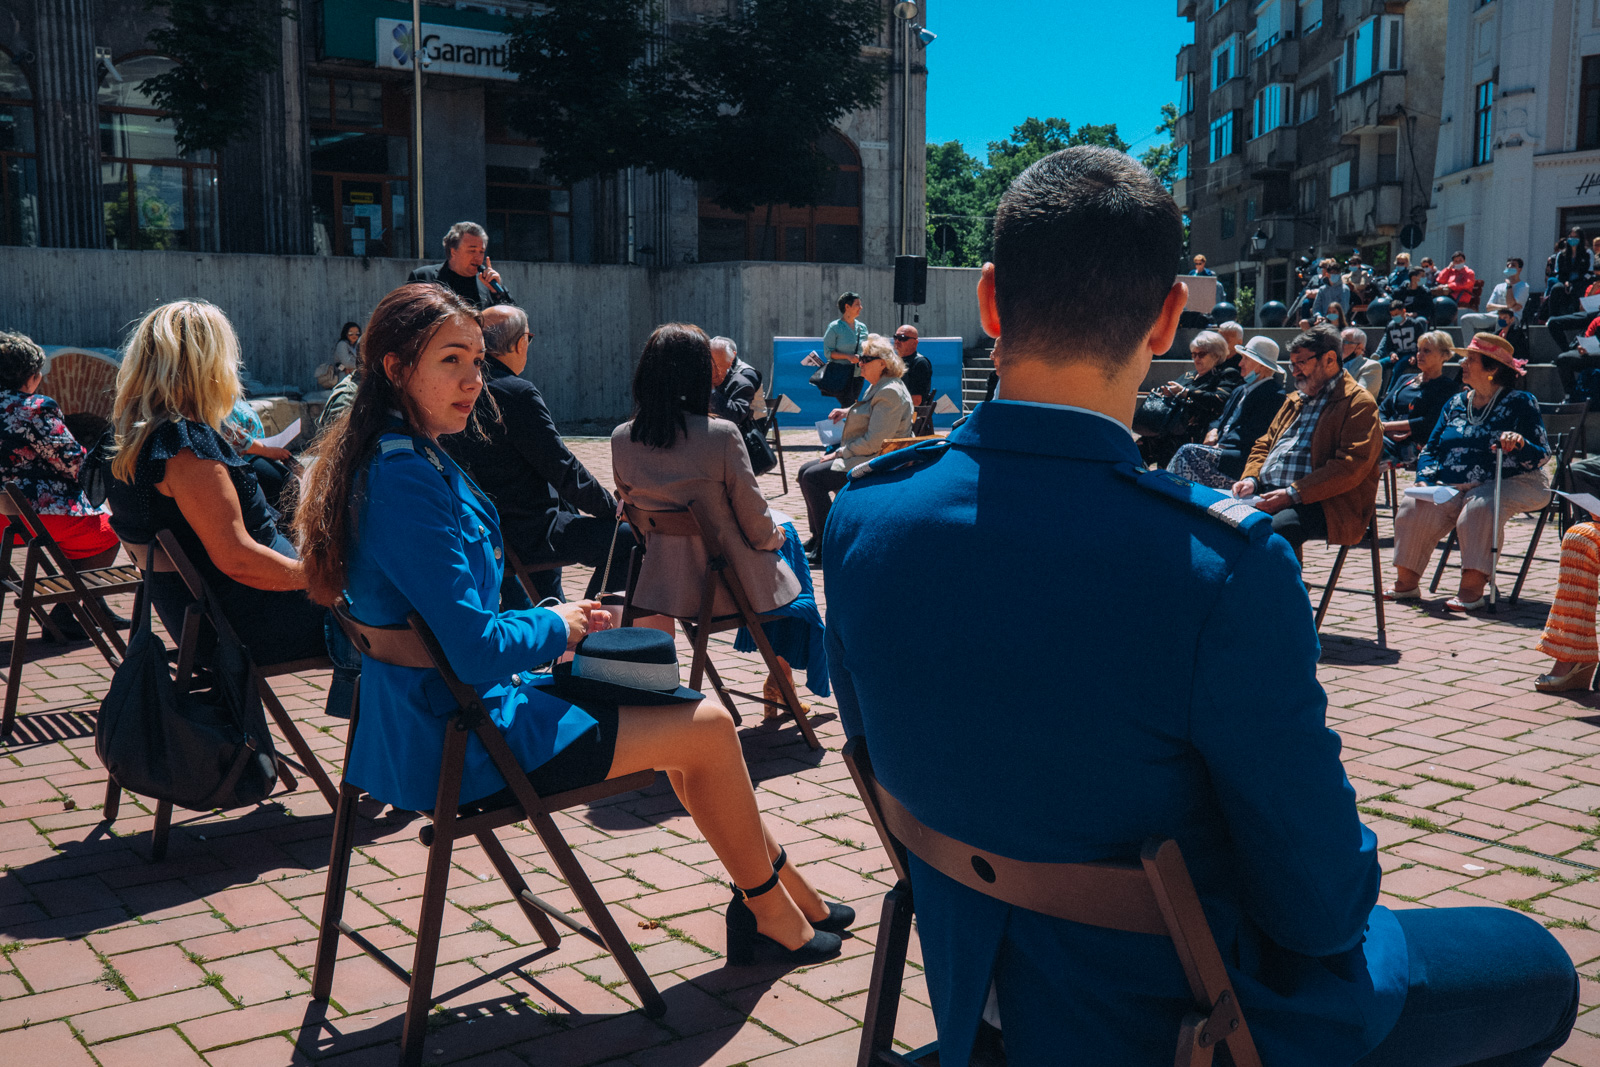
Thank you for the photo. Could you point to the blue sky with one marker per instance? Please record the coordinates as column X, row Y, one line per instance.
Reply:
column 997, row 62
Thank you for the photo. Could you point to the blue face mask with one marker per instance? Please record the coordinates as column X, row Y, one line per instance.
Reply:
column 1251, row 377
column 1572, row 241
column 1510, row 272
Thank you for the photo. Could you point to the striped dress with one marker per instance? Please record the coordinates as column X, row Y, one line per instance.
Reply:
column 1569, row 632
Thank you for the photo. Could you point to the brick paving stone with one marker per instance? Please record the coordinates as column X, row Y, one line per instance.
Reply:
column 47, row 1045
column 136, row 1016
column 159, row 1048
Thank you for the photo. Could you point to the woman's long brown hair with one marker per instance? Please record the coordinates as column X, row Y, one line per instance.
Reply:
column 325, row 519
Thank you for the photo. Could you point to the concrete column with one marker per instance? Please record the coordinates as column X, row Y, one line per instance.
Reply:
column 68, row 126
column 265, row 194
column 452, row 158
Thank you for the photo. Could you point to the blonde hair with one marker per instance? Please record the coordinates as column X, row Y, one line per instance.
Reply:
column 181, row 362
column 1441, row 341
column 878, row 345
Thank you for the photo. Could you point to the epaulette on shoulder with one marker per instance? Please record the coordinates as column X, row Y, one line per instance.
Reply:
column 916, row 456
column 1229, row 510
column 399, row 443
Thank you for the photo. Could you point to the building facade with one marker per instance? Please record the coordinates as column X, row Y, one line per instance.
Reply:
column 1306, row 128
column 87, row 160
column 1519, row 148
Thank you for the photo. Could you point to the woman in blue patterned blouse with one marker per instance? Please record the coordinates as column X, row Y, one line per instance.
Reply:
column 41, row 457
column 1491, row 422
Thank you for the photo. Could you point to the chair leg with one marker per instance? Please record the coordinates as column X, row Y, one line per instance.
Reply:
column 19, row 649
column 1438, row 572
column 1527, row 560
column 722, row 692
column 430, row 925
column 161, row 831
column 1191, row 1053
column 1333, row 580
column 699, row 639
column 344, row 822
column 518, row 885
column 1377, row 582
column 291, row 733
column 777, row 446
column 888, row 970
column 785, row 686
column 599, row 915
column 113, row 804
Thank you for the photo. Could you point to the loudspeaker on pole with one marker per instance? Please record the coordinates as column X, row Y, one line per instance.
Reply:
column 910, row 279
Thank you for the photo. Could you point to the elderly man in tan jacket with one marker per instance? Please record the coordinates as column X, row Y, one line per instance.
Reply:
column 1315, row 471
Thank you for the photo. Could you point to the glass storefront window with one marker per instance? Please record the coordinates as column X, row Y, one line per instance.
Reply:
column 529, row 216
column 19, row 175
column 360, row 168
column 154, row 198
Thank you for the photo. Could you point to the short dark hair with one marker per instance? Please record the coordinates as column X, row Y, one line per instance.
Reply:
column 453, row 236
column 846, row 299
column 20, row 359
column 1453, row 255
column 1085, row 245
column 672, row 380
column 1318, row 340
column 344, row 331
column 1417, row 272
column 1517, row 260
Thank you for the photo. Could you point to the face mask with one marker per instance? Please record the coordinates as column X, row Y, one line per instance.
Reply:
column 1251, row 377
column 1572, row 242
column 1509, row 272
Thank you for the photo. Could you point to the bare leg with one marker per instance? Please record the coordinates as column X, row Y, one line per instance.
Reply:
column 1406, row 580
column 697, row 746
column 1472, row 584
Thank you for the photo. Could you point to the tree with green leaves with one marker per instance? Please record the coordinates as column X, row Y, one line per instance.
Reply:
column 218, row 48
column 738, row 101
column 964, row 193
column 1162, row 159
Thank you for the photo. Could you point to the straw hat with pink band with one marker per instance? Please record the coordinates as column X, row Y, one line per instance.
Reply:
column 1497, row 348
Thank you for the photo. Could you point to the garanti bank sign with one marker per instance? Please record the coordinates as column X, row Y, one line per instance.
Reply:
column 457, row 50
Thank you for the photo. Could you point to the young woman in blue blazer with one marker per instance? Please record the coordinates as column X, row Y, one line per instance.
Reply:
column 388, row 520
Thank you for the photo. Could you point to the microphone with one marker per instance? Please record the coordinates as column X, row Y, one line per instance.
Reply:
column 494, row 287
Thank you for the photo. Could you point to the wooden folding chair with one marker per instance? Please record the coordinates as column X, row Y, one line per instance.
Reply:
column 696, row 521
column 306, row 761
column 414, row 645
column 1377, row 580
column 1153, row 896
column 922, row 419
column 60, row 582
column 525, row 571
column 768, row 424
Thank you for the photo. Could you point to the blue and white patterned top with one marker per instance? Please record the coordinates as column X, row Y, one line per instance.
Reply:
column 1458, row 451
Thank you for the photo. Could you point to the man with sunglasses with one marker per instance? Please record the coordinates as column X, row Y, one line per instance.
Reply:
column 918, row 378
column 1315, row 471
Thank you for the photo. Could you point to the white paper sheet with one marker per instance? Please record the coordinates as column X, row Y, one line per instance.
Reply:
column 787, row 406
column 1438, row 494
column 945, row 406
column 1591, row 304
column 1590, row 345
column 812, row 360
column 829, row 431
column 779, row 518
column 1587, row 501
column 1253, row 500
column 281, row 440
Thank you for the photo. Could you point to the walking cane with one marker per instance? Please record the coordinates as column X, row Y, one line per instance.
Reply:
column 1494, row 563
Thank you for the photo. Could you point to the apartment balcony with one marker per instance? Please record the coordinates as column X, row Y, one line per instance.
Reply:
column 1279, row 63
column 1233, row 95
column 1186, row 9
column 1274, row 150
column 1180, row 193
column 1233, row 18
column 1184, row 131
column 1189, row 61
column 1369, row 212
column 1374, row 103
column 1226, row 173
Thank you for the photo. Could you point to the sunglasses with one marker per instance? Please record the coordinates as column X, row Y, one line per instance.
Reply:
column 904, row 337
column 869, row 359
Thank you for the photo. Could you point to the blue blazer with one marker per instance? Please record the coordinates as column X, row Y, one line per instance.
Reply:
column 1169, row 689
column 428, row 540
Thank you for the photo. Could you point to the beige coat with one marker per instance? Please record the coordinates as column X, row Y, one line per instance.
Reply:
column 884, row 412
column 711, row 466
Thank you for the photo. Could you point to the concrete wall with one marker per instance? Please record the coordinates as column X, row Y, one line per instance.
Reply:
column 589, row 322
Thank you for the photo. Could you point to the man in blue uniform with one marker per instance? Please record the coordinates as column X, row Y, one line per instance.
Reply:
column 1169, row 689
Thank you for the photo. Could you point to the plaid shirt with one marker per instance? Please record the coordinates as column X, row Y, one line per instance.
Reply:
column 1290, row 458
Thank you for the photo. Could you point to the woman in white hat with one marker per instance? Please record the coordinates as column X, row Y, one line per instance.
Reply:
column 1219, row 461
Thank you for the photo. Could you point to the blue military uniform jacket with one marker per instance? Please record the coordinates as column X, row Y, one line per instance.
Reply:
column 1126, row 655
column 428, row 540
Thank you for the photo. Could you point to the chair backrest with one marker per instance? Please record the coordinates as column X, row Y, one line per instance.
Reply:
column 692, row 521
column 150, row 558
column 1155, row 896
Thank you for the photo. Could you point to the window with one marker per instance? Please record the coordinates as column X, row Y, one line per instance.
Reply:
column 1250, row 210
column 360, row 167
column 1373, row 48
column 1273, row 108
column 1589, row 104
column 1309, row 201
column 827, row 233
column 1225, row 62
column 1218, row 5
column 19, row 175
column 1308, row 103
column 1227, row 225
column 1180, row 166
column 1339, row 179
column 1222, row 135
column 153, row 197
column 1310, row 16
column 529, row 216
column 1269, row 27
column 1186, row 94
column 1483, row 123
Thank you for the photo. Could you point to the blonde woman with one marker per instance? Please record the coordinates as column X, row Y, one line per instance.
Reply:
column 175, row 470
column 883, row 412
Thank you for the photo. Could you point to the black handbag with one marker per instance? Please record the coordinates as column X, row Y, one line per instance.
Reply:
column 1160, row 416
column 762, row 458
column 833, row 377
column 201, row 749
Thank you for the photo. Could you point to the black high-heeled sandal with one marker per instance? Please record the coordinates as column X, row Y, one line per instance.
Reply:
column 745, row 942
column 840, row 916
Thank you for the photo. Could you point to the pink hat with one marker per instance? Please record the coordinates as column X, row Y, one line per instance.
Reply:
column 1496, row 348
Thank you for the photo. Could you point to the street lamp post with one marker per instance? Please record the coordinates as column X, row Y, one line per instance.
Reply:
column 905, row 12
column 416, row 121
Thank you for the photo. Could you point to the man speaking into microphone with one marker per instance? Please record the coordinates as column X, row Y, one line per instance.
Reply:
column 466, row 270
